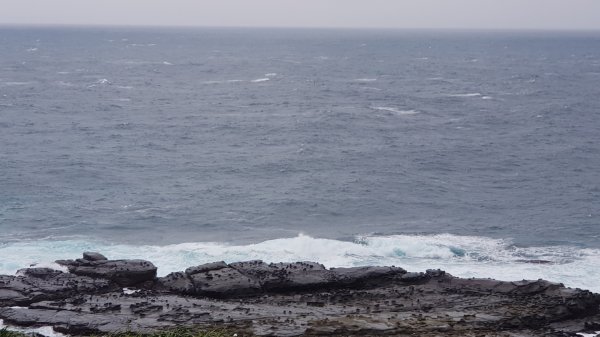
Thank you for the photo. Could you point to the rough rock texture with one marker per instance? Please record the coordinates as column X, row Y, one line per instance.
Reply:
column 290, row 299
column 122, row 272
column 37, row 284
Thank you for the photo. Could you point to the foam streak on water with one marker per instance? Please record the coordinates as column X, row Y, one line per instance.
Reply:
column 464, row 256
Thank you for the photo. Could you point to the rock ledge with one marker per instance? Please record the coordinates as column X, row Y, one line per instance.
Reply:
column 289, row 299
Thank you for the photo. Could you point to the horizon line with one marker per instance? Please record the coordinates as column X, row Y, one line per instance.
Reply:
column 382, row 28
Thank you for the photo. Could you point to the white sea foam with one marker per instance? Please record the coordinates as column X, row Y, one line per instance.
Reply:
column 589, row 334
column 465, row 256
column 395, row 111
column 475, row 94
column 271, row 75
column 128, row 291
column 47, row 331
column 14, row 83
column 260, row 80
column 140, row 44
column 167, row 63
column 64, row 84
column 364, row 80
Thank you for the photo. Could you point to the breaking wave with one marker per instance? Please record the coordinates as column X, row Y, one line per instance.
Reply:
column 465, row 256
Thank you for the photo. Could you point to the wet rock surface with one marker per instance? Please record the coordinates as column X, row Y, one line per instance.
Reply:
column 290, row 299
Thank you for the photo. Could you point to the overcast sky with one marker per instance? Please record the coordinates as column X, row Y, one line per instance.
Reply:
column 470, row 14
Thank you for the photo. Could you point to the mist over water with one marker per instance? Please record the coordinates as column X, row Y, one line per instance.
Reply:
column 227, row 138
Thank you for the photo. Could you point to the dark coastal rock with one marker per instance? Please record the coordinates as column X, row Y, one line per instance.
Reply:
column 39, row 273
column 364, row 275
column 224, row 282
column 414, row 277
column 93, row 256
column 298, row 276
column 35, row 284
column 206, row 267
column 215, row 279
column 291, row 299
column 178, row 282
column 123, row 272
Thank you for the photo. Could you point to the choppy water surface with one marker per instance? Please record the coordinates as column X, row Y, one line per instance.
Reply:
column 230, row 139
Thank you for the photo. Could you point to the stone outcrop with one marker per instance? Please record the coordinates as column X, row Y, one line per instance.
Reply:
column 289, row 299
column 252, row 277
column 37, row 284
column 123, row 272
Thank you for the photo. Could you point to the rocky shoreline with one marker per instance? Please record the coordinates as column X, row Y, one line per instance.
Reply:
column 98, row 296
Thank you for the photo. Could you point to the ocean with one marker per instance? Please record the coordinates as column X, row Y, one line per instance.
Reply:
column 474, row 152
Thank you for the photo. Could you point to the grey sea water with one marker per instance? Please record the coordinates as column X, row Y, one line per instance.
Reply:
column 164, row 136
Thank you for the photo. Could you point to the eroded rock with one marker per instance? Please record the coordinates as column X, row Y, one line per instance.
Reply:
column 291, row 299
column 123, row 272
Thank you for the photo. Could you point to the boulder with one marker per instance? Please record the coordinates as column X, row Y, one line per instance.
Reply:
column 93, row 256
column 224, row 282
column 178, row 282
column 206, row 267
column 365, row 275
column 285, row 277
column 123, row 272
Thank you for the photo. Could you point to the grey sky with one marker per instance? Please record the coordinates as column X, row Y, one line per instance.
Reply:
column 474, row 14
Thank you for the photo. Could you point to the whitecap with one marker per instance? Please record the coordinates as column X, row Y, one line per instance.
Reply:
column 16, row 83
column 167, row 63
column 260, row 80
column 141, row 45
column 32, row 49
column 475, row 94
column 364, row 80
column 103, row 81
column 395, row 111
column 64, row 84
column 270, row 74
column 487, row 97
